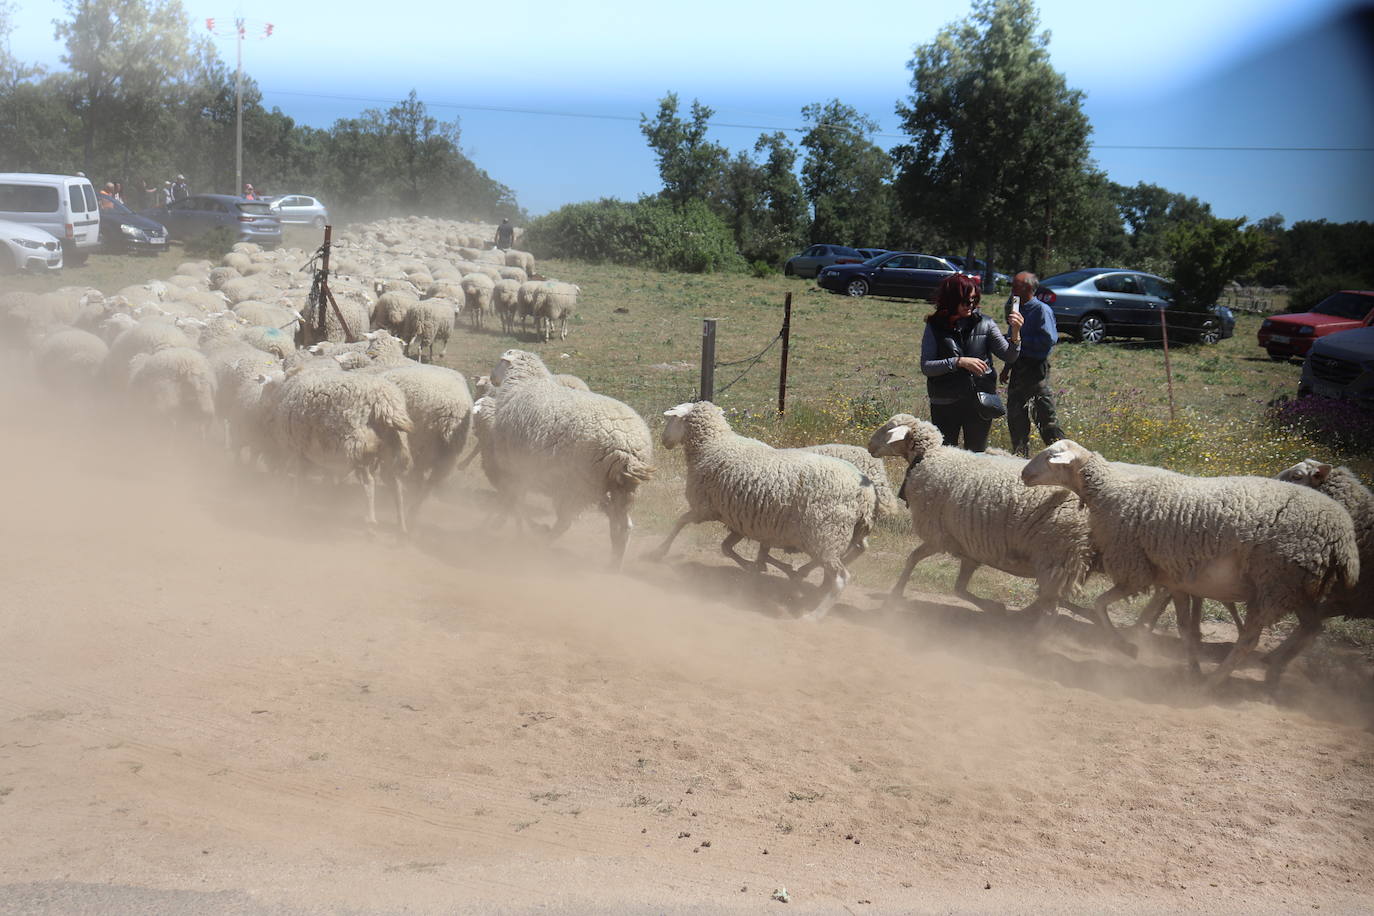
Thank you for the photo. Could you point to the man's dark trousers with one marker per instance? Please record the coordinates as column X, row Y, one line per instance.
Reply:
column 1028, row 395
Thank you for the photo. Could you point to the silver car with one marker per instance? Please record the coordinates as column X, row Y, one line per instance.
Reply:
column 299, row 209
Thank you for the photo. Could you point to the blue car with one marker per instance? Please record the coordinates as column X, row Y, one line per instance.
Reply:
column 1095, row 303
column 121, row 229
column 897, row 273
column 192, row 217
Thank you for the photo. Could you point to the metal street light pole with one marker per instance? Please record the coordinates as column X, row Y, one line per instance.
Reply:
column 238, row 112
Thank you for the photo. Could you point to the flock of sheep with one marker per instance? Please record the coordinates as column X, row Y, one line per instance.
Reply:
column 228, row 350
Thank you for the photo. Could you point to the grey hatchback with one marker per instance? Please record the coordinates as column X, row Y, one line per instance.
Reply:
column 1099, row 302
column 192, row 217
column 810, row 261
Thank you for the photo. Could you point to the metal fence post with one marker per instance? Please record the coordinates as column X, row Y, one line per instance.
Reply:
column 786, row 337
column 708, row 359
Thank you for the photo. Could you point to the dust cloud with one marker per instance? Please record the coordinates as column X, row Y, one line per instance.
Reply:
column 218, row 686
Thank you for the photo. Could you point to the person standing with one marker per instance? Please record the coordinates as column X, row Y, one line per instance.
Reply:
column 956, row 359
column 1028, row 388
column 150, row 195
column 180, row 190
column 167, row 195
column 505, row 235
column 248, row 193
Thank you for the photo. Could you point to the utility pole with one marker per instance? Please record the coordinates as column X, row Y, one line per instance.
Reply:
column 240, row 32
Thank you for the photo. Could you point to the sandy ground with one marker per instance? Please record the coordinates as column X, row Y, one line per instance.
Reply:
column 215, row 702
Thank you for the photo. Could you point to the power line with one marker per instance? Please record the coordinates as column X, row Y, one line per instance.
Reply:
column 549, row 113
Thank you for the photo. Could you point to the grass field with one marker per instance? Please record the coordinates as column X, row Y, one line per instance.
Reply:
column 854, row 363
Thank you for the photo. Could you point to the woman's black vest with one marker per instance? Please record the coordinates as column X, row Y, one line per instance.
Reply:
column 969, row 337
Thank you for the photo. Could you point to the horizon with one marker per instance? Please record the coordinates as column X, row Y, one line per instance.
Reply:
column 1203, row 83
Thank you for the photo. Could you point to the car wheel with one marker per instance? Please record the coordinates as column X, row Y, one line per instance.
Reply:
column 1209, row 332
column 787, row 269
column 319, row 222
column 1092, row 329
column 857, row 287
column 1277, row 357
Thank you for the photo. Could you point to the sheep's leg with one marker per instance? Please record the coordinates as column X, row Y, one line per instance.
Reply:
column 472, row 456
column 1115, row 593
column 1145, row 623
column 398, row 489
column 1276, row 661
column 967, row 567
column 836, row 578
column 1235, row 614
column 618, row 513
column 683, row 521
column 727, row 547
column 1245, row 644
column 369, row 482
column 920, row 553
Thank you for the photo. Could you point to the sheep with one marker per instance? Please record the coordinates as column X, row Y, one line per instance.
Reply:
column 175, row 383
column 267, row 315
column 1277, row 547
column 69, row 360
column 579, row 447
column 322, row 322
column 343, row 422
column 532, row 293
column 521, row 259
column 1345, row 488
column 478, row 289
column 270, row 340
column 557, row 305
column 143, row 337
column 440, row 408
column 219, row 276
column 873, row 468
column 512, row 273
column 236, row 367
column 390, row 310
column 819, row 505
column 505, row 299
column 428, row 322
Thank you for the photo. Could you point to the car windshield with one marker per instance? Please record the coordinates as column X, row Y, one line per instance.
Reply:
column 1072, row 278
column 877, row 259
column 255, row 208
column 1345, row 305
column 844, row 252
column 116, row 206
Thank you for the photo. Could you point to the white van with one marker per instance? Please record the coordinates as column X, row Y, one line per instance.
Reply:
column 63, row 205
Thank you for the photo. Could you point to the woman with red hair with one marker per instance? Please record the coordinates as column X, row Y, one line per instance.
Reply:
column 956, row 359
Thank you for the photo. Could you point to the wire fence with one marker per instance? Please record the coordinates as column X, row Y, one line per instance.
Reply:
column 751, row 360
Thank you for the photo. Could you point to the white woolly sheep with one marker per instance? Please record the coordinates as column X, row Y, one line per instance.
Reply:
column 176, row 384
column 1342, row 485
column 390, row 310
column 1277, row 547
column 342, row 422
column 802, row 501
column 532, row 293
column 872, row 468
column 521, row 259
column 236, row 367
column 478, row 288
column 69, row 360
column 429, row 322
column 557, row 305
column 440, row 409
column 580, row 448
column 505, row 300
column 144, row 337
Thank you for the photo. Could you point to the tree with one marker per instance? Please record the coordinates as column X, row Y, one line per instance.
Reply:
column 1210, row 252
column 997, row 137
column 844, row 176
column 1151, row 213
column 127, row 58
column 689, row 164
column 784, row 219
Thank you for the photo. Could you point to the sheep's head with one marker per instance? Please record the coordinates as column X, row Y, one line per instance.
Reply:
column 352, row 359
column 517, row 364
column 1309, row 473
column 1057, row 465
column 675, row 431
column 904, row 436
column 481, row 384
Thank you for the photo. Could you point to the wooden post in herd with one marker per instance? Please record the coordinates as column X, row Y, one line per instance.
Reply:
column 324, row 295
column 708, row 359
column 1168, row 372
column 786, row 337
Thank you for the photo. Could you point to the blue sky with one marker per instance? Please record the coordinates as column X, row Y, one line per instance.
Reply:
column 1163, row 73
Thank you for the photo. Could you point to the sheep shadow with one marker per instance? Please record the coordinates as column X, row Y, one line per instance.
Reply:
column 770, row 596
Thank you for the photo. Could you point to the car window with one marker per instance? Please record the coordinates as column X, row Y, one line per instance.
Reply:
column 844, row 252
column 187, row 204
column 903, row 260
column 926, row 262
column 74, row 195
column 1117, row 283
column 24, row 198
column 255, row 207
column 294, row 202
column 90, row 196
column 1072, row 278
column 1345, row 305
column 1158, row 288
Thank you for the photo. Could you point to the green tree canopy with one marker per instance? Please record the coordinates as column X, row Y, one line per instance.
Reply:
column 844, row 176
column 689, row 164
column 1208, row 253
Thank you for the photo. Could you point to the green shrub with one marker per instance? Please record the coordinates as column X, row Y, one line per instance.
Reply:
column 212, row 244
column 1314, row 289
column 762, row 269
column 647, row 233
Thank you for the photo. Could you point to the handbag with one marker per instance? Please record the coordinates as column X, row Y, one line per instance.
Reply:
column 990, row 406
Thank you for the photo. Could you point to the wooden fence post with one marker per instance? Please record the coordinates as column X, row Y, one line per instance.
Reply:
column 786, row 338
column 708, row 359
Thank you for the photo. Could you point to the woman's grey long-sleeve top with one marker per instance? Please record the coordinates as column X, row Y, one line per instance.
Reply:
column 977, row 336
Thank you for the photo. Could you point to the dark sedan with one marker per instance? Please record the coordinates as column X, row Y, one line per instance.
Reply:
column 191, row 217
column 897, row 273
column 1100, row 302
column 122, row 229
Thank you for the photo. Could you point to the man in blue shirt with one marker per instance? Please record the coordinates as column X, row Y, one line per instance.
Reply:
column 1028, row 392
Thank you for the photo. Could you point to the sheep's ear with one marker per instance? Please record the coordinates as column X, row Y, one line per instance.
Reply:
column 1062, row 457
column 680, row 410
column 1320, row 472
column 897, row 434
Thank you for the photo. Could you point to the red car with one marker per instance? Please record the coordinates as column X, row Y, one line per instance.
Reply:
column 1284, row 336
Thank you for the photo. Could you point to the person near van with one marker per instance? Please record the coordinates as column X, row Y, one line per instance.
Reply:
column 150, row 196
column 119, row 191
column 180, row 190
column 167, row 195
column 248, row 193
column 956, row 359
column 106, row 196
column 1028, row 389
column 505, row 235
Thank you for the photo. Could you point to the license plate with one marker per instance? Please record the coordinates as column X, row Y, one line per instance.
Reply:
column 1280, row 338
column 157, row 241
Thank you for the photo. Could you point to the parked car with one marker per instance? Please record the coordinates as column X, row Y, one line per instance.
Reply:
column 810, row 261
column 192, row 217
column 870, row 253
column 122, row 229
column 975, row 267
column 64, row 206
column 1100, row 302
column 28, row 248
column 298, row 208
column 1341, row 366
column 1284, row 336
column 897, row 273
